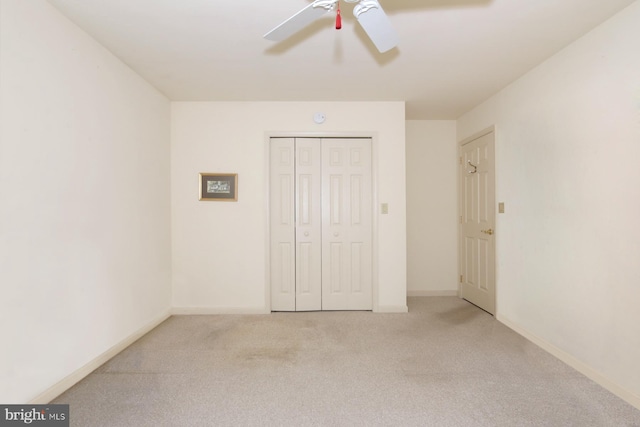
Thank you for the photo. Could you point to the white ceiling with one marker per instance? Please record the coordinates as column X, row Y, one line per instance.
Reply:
column 453, row 54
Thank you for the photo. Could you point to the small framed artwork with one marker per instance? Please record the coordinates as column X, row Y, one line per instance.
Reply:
column 219, row 187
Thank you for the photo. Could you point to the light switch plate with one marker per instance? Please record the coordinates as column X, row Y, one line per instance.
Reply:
column 384, row 208
column 501, row 207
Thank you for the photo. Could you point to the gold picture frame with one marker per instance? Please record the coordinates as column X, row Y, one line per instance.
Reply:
column 218, row 187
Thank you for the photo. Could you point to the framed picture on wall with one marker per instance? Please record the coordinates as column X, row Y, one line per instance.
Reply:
column 219, row 187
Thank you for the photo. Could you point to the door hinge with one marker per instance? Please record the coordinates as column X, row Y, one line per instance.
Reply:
column 460, row 160
column 460, row 219
column 461, row 278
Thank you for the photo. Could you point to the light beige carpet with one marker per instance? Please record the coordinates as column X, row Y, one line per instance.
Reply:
column 445, row 363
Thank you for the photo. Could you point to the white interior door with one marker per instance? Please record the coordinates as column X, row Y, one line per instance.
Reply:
column 308, row 225
column 346, row 225
column 282, row 248
column 321, row 224
column 477, row 245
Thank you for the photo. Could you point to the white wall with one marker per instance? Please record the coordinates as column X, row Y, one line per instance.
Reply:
column 432, row 251
column 220, row 249
column 85, row 206
column 568, row 152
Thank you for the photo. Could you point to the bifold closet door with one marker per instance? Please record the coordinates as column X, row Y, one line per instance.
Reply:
column 296, row 252
column 347, row 224
column 321, row 224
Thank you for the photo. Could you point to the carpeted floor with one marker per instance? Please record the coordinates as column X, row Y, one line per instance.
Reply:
column 445, row 363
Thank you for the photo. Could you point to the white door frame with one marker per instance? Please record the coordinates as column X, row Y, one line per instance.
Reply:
column 374, row 202
column 461, row 143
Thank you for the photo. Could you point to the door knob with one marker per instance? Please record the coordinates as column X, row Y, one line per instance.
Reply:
column 306, row 233
column 489, row 231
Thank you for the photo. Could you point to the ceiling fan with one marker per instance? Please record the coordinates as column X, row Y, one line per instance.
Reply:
column 369, row 14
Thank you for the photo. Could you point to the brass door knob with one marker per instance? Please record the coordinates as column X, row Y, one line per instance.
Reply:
column 489, row 231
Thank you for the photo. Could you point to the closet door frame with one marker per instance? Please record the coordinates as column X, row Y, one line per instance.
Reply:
column 375, row 210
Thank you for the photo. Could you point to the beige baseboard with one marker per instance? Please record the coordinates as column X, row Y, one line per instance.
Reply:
column 446, row 293
column 575, row 363
column 218, row 310
column 178, row 311
column 392, row 309
column 72, row 379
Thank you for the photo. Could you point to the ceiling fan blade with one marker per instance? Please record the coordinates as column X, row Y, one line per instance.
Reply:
column 376, row 24
column 300, row 20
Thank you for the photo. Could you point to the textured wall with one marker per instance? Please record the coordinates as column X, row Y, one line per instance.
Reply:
column 84, row 215
column 220, row 249
column 432, row 231
column 568, row 246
